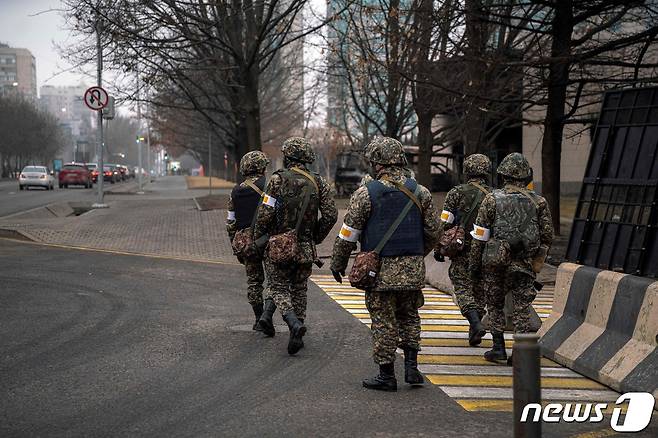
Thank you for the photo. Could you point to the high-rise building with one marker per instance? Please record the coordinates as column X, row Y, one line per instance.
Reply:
column 67, row 105
column 18, row 72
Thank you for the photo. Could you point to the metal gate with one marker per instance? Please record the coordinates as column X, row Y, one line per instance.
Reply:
column 616, row 221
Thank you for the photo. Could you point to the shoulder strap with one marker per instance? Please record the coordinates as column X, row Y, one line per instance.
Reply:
column 482, row 189
column 478, row 198
column 308, row 176
column 527, row 195
column 407, row 192
column 394, row 226
column 254, row 187
column 302, row 211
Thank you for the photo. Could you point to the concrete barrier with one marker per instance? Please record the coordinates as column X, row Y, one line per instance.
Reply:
column 604, row 325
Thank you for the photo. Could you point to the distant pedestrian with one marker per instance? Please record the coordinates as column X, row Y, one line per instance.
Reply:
column 511, row 237
column 288, row 217
column 242, row 207
column 459, row 212
column 396, row 224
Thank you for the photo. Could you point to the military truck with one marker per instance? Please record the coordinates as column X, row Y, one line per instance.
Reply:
column 351, row 167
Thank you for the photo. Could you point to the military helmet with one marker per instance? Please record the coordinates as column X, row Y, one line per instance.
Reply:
column 253, row 162
column 298, row 149
column 477, row 165
column 386, row 151
column 514, row 166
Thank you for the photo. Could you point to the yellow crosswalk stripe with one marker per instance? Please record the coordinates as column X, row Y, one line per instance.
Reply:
column 456, row 359
column 441, row 342
column 503, row 405
column 506, row 381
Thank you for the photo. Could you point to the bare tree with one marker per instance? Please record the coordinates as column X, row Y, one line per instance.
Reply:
column 211, row 55
column 27, row 136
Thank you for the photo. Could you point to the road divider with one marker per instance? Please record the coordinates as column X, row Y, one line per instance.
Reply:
column 604, row 325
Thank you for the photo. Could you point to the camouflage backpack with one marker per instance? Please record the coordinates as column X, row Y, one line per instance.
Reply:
column 297, row 215
column 515, row 234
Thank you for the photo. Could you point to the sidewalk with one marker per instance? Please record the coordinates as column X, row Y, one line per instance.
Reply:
column 162, row 222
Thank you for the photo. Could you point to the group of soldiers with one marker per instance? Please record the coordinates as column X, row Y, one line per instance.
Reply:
column 504, row 235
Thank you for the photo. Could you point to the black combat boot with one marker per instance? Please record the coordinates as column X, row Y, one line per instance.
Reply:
column 411, row 373
column 497, row 353
column 384, row 381
column 258, row 311
column 476, row 329
column 297, row 331
column 265, row 322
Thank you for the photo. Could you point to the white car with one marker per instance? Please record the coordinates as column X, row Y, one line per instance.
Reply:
column 36, row 176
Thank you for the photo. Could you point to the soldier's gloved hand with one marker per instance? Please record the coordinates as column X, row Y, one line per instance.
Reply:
column 438, row 256
column 338, row 275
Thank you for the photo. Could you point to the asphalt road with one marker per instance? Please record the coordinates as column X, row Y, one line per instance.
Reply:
column 97, row 344
column 13, row 200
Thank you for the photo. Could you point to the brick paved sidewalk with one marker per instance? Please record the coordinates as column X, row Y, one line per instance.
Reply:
column 167, row 227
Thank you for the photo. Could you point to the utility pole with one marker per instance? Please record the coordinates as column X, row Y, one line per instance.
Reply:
column 209, row 160
column 139, row 138
column 99, row 147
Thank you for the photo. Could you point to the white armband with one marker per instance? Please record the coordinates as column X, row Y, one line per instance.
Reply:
column 230, row 216
column 480, row 233
column 349, row 234
column 269, row 200
column 447, row 217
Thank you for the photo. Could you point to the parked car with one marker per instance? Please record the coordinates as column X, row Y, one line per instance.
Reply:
column 75, row 174
column 36, row 176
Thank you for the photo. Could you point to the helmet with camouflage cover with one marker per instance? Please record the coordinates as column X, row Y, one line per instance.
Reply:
column 514, row 166
column 298, row 149
column 386, row 151
column 477, row 165
column 253, row 162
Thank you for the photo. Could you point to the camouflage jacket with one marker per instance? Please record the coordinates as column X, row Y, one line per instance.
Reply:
column 455, row 203
column 231, row 226
column 266, row 222
column 487, row 216
column 399, row 272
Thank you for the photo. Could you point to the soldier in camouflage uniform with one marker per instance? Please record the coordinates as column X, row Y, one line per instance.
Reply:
column 513, row 224
column 394, row 301
column 279, row 213
column 460, row 209
column 242, row 206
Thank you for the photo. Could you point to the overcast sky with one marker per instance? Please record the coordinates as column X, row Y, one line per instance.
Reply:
column 20, row 27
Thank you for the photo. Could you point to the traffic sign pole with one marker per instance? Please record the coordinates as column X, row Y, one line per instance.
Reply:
column 101, row 174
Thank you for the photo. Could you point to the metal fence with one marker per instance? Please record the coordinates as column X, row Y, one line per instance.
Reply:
column 616, row 221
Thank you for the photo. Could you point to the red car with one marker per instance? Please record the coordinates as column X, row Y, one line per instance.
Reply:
column 75, row 174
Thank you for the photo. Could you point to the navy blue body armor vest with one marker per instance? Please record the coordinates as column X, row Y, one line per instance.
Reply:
column 386, row 205
column 245, row 201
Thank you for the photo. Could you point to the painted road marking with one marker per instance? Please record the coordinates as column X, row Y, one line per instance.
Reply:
column 460, row 370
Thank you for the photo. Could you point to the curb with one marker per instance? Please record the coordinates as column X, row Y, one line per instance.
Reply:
column 9, row 233
column 604, row 325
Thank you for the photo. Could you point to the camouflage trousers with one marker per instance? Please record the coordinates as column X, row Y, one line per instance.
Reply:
column 255, row 280
column 395, row 322
column 496, row 286
column 469, row 296
column 288, row 286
